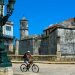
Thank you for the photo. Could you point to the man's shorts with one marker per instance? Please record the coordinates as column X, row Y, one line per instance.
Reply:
column 27, row 62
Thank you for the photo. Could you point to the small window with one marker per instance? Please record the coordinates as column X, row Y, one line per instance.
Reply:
column 8, row 28
column 73, row 23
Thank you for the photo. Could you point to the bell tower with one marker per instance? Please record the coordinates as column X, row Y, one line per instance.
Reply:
column 23, row 28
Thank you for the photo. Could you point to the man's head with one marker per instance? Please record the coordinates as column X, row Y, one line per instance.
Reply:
column 28, row 51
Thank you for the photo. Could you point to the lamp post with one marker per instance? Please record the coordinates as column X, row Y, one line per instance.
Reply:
column 4, row 61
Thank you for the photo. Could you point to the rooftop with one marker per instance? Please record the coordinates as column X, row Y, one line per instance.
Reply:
column 70, row 23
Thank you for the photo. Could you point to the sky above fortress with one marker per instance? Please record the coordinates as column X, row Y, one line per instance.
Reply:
column 41, row 13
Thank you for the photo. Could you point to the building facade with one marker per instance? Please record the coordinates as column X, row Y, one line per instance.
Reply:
column 7, row 32
column 8, row 35
column 59, row 39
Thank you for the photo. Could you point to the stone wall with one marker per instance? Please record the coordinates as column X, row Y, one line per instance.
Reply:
column 44, row 46
column 67, row 41
column 25, row 45
column 52, row 47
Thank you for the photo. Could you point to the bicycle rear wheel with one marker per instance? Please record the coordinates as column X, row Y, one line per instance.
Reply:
column 23, row 68
column 35, row 68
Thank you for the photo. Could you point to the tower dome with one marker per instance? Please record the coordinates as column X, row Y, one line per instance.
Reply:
column 23, row 18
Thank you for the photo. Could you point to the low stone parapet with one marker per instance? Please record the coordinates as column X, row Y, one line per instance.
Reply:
column 44, row 58
column 35, row 57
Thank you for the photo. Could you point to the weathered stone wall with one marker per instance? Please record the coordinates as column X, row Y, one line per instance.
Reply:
column 25, row 45
column 44, row 46
column 67, row 41
column 36, row 46
column 31, row 44
column 52, row 47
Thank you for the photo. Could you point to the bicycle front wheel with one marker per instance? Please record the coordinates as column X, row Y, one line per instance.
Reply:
column 35, row 68
column 23, row 68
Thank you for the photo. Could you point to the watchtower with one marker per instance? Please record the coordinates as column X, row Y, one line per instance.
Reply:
column 23, row 28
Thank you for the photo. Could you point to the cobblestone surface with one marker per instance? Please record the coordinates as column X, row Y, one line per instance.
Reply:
column 48, row 69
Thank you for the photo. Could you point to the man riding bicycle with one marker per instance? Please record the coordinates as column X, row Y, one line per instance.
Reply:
column 28, row 63
column 28, row 59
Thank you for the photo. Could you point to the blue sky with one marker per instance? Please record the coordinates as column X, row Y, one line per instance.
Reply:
column 41, row 13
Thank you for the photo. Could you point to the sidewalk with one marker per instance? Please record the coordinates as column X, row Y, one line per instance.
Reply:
column 47, row 62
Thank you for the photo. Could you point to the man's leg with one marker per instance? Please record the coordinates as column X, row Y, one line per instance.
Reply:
column 28, row 65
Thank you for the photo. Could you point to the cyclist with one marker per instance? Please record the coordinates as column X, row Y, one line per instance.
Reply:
column 28, row 59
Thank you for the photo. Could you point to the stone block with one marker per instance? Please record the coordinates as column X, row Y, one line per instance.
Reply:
column 6, row 71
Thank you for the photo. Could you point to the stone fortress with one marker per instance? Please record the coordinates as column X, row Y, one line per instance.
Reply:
column 27, row 42
column 57, row 39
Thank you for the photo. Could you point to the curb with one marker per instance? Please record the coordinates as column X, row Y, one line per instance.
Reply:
column 46, row 62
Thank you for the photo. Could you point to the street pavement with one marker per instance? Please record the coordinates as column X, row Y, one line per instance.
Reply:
column 47, row 69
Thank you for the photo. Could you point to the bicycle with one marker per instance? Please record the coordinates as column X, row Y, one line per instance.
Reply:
column 25, row 68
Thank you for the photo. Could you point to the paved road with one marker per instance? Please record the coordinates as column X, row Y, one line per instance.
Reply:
column 48, row 69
